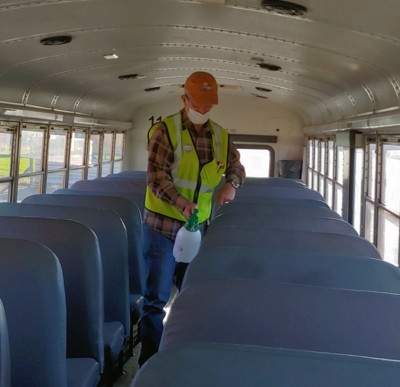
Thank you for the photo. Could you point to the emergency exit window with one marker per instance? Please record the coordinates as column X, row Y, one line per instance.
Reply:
column 256, row 162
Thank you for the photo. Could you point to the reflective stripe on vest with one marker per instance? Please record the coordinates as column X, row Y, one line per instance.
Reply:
column 194, row 184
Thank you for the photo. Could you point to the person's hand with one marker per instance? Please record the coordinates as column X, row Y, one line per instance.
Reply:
column 226, row 194
column 189, row 210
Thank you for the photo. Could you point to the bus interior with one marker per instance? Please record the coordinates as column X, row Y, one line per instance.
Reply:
column 296, row 281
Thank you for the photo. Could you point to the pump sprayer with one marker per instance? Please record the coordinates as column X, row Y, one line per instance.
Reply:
column 188, row 239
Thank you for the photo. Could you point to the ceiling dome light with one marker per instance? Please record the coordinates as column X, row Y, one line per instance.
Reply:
column 263, row 89
column 152, row 88
column 283, row 7
column 128, row 76
column 269, row 67
column 56, row 40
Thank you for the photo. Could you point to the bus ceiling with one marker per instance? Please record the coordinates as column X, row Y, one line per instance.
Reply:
column 330, row 62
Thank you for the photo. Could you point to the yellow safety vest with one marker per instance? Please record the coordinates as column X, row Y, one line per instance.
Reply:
column 194, row 183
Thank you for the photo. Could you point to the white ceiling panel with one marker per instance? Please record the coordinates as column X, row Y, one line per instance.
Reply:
column 337, row 61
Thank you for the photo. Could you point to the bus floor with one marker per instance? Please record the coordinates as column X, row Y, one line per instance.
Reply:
column 131, row 365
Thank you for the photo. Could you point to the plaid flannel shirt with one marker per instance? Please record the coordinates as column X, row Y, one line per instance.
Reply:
column 160, row 162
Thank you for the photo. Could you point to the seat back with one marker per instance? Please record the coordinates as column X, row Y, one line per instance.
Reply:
column 112, row 238
column 290, row 316
column 32, row 290
column 129, row 214
column 77, row 249
column 294, row 240
column 278, row 207
column 133, row 190
column 282, row 222
column 227, row 365
column 282, row 192
column 297, row 267
column 4, row 349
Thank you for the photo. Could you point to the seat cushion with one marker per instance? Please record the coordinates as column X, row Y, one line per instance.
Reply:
column 82, row 372
column 114, row 336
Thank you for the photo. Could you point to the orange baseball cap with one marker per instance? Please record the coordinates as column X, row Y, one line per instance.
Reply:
column 201, row 88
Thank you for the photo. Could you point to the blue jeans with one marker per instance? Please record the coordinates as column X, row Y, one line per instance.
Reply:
column 160, row 266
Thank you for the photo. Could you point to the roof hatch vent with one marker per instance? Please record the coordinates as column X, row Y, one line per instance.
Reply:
column 56, row 40
column 283, row 7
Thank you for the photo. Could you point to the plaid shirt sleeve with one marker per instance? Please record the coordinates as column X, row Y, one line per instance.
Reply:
column 234, row 169
column 160, row 163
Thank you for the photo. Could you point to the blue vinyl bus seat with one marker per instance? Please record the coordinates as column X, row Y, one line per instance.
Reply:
column 131, row 217
column 279, row 207
column 230, row 365
column 260, row 199
column 297, row 267
column 129, row 214
column 275, row 181
column 77, row 249
column 273, row 314
column 104, row 184
column 137, row 198
column 5, row 375
column 266, row 192
column 140, row 175
column 111, row 234
column 136, row 191
column 32, row 290
column 282, row 222
column 137, row 177
column 291, row 240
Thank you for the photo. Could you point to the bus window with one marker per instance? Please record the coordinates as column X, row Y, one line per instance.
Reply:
column 117, row 167
column 93, row 172
column 28, row 186
column 331, row 148
column 339, row 180
column 31, row 151
column 57, row 148
column 6, row 140
column 30, row 177
column 77, row 156
column 55, row 181
column 107, row 154
column 369, row 221
column 389, row 206
column 118, row 152
column 94, row 150
column 256, row 162
column 310, row 151
column 371, row 170
column 390, row 177
column 105, row 169
column 5, row 154
column 388, row 237
column 56, row 160
column 75, row 175
column 119, row 146
column 322, row 168
column 329, row 193
column 359, row 163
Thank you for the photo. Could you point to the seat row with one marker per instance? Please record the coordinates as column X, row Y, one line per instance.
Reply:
column 71, row 284
column 283, row 292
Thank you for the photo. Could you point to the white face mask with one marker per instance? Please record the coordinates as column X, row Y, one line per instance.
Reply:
column 197, row 118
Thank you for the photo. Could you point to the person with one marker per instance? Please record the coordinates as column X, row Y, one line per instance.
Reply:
column 187, row 156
